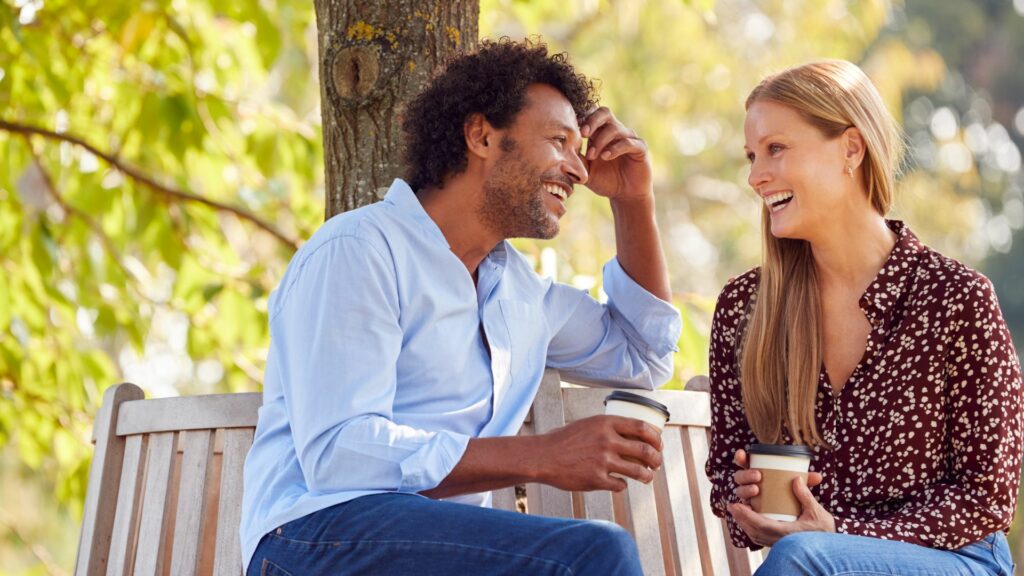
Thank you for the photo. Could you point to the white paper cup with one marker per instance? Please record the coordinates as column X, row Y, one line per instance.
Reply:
column 631, row 405
column 779, row 465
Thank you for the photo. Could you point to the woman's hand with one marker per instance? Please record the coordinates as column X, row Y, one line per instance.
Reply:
column 747, row 481
column 763, row 530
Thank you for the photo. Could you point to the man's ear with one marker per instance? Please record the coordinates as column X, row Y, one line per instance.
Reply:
column 853, row 147
column 481, row 137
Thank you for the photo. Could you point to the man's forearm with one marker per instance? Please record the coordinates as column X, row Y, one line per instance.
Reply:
column 490, row 464
column 639, row 246
column 580, row 456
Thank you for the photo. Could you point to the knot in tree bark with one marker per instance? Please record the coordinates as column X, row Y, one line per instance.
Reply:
column 355, row 71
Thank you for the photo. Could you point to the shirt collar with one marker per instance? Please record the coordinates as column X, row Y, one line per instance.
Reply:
column 892, row 280
column 401, row 195
column 404, row 199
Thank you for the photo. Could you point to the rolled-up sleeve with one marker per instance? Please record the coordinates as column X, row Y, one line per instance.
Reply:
column 337, row 360
column 629, row 341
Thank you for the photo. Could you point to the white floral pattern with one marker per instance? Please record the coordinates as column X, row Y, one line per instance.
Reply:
column 926, row 434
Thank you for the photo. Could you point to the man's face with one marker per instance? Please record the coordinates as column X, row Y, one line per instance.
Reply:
column 539, row 162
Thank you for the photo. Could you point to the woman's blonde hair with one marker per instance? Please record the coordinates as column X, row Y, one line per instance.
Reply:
column 781, row 354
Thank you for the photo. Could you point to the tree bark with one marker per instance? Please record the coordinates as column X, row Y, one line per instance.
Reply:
column 374, row 57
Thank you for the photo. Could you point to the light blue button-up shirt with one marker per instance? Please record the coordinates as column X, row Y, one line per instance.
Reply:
column 377, row 375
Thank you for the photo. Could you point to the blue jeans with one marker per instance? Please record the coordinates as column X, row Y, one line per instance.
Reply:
column 406, row 534
column 823, row 553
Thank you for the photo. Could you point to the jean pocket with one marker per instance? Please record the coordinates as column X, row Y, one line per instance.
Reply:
column 1001, row 554
column 270, row 569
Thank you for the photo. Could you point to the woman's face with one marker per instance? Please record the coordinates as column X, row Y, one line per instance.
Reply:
column 799, row 173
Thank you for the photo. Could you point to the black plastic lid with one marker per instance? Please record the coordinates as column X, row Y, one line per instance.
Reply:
column 780, row 450
column 637, row 399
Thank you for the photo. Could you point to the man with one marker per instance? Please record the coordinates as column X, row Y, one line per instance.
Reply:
column 409, row 339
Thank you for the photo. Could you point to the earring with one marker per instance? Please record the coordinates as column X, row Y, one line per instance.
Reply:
column 849, row 170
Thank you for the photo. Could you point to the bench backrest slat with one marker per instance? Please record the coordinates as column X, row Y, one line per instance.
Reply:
column 149, row 555
column 104, row 479
column 189, row 413
column 504, row 499
column 126, row 517
column 695, row 442
column 643, row 513
column 228, row 549
column 598, row 505
column 192, row 498
column 685, row 551
column 548, row 415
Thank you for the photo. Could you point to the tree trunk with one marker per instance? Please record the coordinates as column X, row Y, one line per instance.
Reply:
column 374, row 56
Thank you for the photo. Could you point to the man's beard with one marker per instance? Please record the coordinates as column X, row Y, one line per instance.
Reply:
column 513, row 200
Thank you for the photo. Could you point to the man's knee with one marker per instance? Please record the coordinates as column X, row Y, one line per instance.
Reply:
column 602, row 546
column 612, row 536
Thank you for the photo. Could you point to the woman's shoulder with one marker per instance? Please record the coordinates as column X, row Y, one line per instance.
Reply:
column 740, row 289
column 736, row 296
column 948, row 278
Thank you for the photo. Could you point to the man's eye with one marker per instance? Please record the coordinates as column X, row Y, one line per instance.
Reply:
column 560, row 139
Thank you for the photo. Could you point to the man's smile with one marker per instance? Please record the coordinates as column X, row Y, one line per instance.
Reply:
column 558, row 190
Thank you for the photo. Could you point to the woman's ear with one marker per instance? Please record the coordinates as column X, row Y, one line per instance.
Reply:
column 480, row 136
column 854, row 148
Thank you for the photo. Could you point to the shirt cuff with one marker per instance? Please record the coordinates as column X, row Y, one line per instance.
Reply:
column 433, row 462
column 655, row 322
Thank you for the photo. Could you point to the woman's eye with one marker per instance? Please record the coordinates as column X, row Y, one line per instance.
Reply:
column 775, row 148
column 750, row 157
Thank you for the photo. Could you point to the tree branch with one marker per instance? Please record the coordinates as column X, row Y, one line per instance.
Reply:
column 40, row 552
column 71, row 210
column 139, row 176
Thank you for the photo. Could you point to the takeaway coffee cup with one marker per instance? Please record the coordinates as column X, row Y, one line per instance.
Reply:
column 779, row 465
column 631, row 405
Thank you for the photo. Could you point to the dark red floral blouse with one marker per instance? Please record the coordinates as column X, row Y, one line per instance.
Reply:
column 926, row 434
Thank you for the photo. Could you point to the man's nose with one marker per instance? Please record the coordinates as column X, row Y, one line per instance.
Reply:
column 576, row 169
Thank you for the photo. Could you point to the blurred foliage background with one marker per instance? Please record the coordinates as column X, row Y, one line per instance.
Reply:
column 161, row 160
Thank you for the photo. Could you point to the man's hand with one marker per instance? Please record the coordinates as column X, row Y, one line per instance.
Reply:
column 765, row 531
column 617, row 160
column 582, row 455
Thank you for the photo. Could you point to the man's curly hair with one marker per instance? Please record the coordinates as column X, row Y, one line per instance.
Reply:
column 491, row 81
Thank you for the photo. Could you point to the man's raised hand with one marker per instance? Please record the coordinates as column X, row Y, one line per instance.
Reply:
column 616, row 158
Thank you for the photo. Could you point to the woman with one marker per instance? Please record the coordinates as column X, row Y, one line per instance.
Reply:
column 890, row 360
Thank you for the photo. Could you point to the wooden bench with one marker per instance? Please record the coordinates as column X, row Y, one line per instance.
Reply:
column 165, row 486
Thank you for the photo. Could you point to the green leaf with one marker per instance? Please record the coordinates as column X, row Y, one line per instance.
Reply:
column 136, row 30
column 66, row 448
column 268, row 38
column 5, row 303
column 231, row 323
column 29, row 449
column 210, row 291
column 99, row 366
